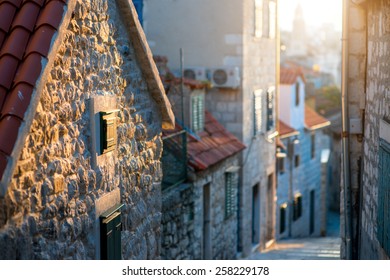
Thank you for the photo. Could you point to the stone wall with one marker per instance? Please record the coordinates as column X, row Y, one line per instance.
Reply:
column 183, row 217
column 50, row 207
column 377, row 109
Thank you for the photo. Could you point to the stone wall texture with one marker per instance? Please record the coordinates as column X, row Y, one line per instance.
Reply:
column 377, row 109
column 183, row 217
column 49, row 209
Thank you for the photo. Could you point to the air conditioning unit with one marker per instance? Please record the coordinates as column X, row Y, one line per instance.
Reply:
column 225, row 77
column 195, row 73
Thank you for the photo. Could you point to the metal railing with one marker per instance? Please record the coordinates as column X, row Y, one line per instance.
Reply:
column 174, row 159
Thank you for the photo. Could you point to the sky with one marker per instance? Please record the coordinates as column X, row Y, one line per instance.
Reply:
column 316, row 12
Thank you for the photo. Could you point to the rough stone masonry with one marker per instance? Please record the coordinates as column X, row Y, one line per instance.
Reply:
column 49, row 209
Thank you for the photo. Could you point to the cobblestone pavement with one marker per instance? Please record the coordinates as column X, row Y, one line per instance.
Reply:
column 321, row 248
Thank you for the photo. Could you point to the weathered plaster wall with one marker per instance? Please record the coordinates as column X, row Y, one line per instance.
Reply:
column 49, row 209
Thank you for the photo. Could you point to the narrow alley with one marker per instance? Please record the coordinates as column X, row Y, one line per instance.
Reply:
column 318, row 248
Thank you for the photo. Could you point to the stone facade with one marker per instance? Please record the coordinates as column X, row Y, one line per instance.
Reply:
column 50, row 209
column 372, row 18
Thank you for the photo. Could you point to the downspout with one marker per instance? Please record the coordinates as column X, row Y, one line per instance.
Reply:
column 345, row 133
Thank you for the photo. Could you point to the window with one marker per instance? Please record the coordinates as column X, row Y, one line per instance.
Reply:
column 281, row 165
column 139, row 6
column 313, row 145
column 383, row 215
column 197, row 112
column 231, row 184
column 297, row 207
column 297, row 160
column 272, row 19
column 282, row 216
column 297, row 94
column 258, row 18
column 270, row 108
column 257, row 116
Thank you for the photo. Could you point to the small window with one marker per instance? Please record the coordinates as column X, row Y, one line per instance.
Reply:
column 282, row 215
column 297, row 207
column 197, row 114
column 297, row 94
column 281, row 165
column 231, row 184
column 313, row 145
column 297, row 160
column 258, row 18
column 258, row 114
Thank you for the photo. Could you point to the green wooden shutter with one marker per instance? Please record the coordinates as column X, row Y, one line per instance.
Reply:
column 270, row 109
column 110, row 235
column 197, row 104
column 231, row 183
column 383, row 212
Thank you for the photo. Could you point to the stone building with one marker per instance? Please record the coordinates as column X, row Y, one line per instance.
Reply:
column 233, row 45
column 366, row 130
column 82, row 111
column 302, row 167
column 199, row 217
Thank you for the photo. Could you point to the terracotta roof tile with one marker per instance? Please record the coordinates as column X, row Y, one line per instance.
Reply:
column 313, row 120
column 8, row 67
column 51, row 14
column 7, row 12
column 3, row 163
column 3, row 95
column 9, row 127
column 16, row 43
column 289, row 76
column 286, row 130
column 2, row 37
column 18, row 101
column 40, row 41
column 29, row 70
column 27, row 16
column 38, row 2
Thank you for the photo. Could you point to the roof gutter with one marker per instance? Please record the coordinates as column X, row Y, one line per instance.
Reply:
column 345, row 133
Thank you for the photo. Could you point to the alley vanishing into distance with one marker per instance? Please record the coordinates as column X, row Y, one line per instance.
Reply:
column 315, row 248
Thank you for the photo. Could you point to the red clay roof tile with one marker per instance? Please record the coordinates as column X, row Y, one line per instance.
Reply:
column 7, row 12
column 16, row 3
column 3, row 95
column 18, row 101
column 9, row 126
column 16, row 43
column 3, row 164
column 38, row 2
column 51, row 14
column 41, row 41
column 289, row 76
column 8, row 67
column 313, row 120
column 2, row 37
column 27, row 16
column 286, row 130
column 30, row 70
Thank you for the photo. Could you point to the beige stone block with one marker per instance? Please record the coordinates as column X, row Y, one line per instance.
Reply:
column 58, row 183
column 357, row 18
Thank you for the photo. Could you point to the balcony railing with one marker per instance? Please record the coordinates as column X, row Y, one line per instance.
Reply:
column 174, row 159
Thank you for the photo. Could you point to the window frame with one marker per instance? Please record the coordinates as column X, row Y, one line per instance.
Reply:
column 258, row 112
column 297, row 207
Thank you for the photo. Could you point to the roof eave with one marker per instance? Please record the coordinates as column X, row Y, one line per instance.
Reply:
column 288, row 135
column 317, row 126
column 146, row 62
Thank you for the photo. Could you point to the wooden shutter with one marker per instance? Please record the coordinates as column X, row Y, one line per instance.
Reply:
column 383, row 212
column 110, row 234
column 257, row 106
column 230, row 185
column 270, row 109
column 197, row 115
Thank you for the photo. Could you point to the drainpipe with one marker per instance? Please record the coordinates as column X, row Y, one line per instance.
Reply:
column 345, row 133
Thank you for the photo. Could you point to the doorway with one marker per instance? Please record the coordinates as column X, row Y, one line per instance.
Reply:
column 256, row 214
column 312, row 210
column 206, row 222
